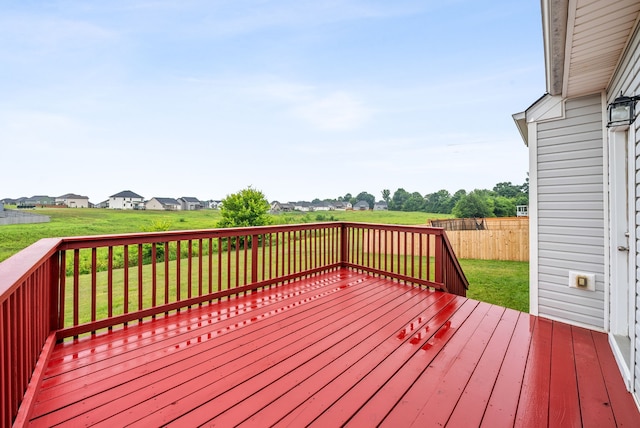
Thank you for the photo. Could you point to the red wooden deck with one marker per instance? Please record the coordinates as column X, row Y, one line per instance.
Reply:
column 337, row 348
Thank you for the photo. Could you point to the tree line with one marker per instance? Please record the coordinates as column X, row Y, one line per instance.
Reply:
column 501, row 201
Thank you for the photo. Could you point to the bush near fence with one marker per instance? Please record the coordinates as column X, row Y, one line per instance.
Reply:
column 504, row 238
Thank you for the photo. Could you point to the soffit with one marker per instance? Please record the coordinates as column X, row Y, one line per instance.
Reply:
column 596, row 34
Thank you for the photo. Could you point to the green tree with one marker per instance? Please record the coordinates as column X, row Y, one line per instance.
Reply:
column 248, row 207
column 398, row 199
column 475, row 204
column 414, row 203
column 504, row 207
column 386, row 195
column 368, row 197
column 438, row 202
column 507, row 190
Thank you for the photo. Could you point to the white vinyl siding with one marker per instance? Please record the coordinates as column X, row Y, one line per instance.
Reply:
column 627, row 82
column 570, row 203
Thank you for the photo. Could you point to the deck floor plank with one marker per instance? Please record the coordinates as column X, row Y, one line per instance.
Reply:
column 335, row 355
column 391, row 394
column 533, row 405
column 564, row 406
column 334, row 349
column 594, row 405
column 156, row 376
column 503, row 401
column 350, row 391
column 296, row 345
column 475, row 397
column 439, row 386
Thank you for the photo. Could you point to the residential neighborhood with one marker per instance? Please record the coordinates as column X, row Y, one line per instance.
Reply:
column 129, row 200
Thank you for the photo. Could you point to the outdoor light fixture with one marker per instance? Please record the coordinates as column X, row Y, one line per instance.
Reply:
column 622, row 111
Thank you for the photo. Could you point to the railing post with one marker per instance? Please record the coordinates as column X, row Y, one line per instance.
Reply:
column 254, row 258
column 344, row 247
column 54, row 291
column 439, row 262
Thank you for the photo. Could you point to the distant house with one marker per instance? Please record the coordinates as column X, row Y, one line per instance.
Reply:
column 162, row 204
column 72, row 200
column 361, row 206
column 380, row 206
column 302, row 206
column 323, row 206
column 103, row 204
column 189, row 204
column 342, row 206
column 38, row 200
column 216, row 205
column 277, row 207
column 126, row 200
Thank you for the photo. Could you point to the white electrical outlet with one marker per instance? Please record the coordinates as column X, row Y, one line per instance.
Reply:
column 582, row 281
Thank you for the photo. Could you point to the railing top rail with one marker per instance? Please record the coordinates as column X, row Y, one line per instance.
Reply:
column 74, row 242
column 19, row 266
column 397, row 227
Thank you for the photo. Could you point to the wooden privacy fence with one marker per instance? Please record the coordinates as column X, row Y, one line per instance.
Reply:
column 503, row 239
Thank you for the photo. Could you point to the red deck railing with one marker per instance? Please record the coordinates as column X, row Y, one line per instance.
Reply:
column 59, row 288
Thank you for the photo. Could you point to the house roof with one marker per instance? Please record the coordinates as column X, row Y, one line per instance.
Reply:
column 167, row 201
column 584, row 41
column 126, row 194
column 190, row 199
column 72, row 196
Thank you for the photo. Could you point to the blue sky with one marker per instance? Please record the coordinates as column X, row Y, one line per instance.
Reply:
column 300, row 99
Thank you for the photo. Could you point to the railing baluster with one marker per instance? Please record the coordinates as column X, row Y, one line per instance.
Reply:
column 189, row 268
column 76, row 287
column 94, row 285
column 178, row 276
column 140, row 283
column 126, row 280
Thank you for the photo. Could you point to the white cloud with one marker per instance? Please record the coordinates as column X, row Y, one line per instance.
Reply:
column 337, row 111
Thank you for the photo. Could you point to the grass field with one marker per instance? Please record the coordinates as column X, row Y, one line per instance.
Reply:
column 499, row 282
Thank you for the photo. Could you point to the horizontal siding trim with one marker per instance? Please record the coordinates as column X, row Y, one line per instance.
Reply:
column 571, row 197
column 570, row 317
column 595, row 251
column 568, row 213
column 573, row 130
column 563, row 189
column 584, row 153
column 562, row 143
column 570, row 122
column 564, row 237
column 571, row 206
column 568, row 265
column 579, row 298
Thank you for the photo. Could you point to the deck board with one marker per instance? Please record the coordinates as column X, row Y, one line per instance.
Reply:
column 334, row 349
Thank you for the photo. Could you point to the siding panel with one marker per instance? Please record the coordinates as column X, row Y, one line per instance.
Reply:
column 570, row 212
column 627, row 81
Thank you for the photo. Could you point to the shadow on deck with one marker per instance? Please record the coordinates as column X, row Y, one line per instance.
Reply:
column 337, row 348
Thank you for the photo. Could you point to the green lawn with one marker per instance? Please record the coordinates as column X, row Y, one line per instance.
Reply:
column 503, row 283
column 499, row 282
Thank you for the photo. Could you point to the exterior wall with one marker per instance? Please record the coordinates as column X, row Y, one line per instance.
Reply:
column 627, row 82
column 570, row 212
column 153, row 204
column 125, row 203
column 74, row 202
